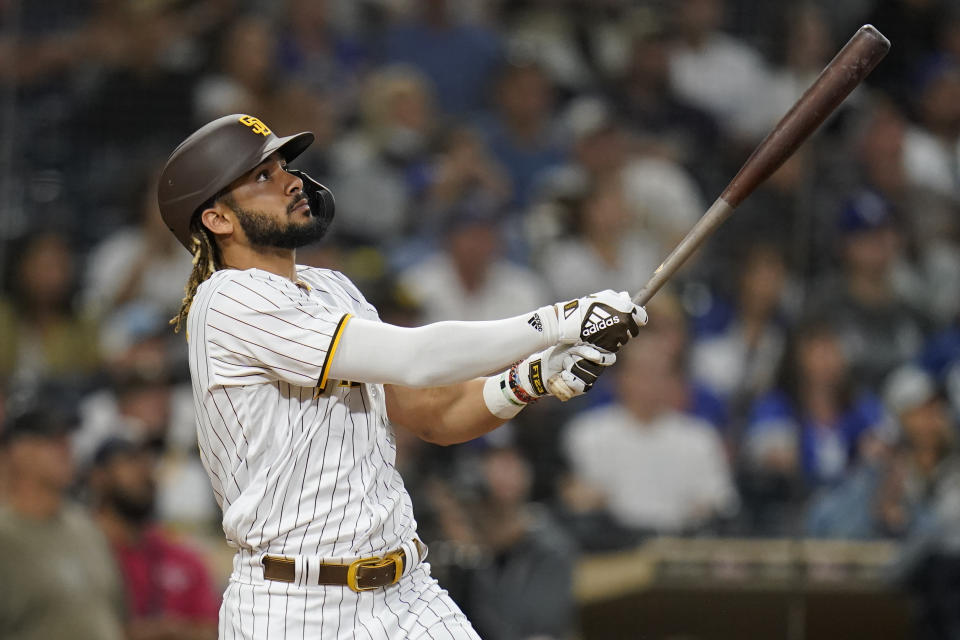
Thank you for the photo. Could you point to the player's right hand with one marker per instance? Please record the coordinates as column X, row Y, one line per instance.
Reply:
column 606, row 320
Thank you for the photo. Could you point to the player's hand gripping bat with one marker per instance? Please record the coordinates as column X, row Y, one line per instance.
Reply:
column 848, row 68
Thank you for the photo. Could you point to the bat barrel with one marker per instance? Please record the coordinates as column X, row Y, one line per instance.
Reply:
column 848, row 68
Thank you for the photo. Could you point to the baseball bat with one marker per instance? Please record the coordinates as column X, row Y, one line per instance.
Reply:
column 848, row 68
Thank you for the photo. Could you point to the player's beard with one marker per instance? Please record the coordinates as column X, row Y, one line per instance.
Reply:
column 264, row 231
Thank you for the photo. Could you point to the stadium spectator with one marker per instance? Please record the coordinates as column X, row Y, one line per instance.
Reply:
column 142, row 400
column 41, row 335
column 60, row 580
column 316, row 53
column 142, row 263
column 521, row 131
column 738, row 359
column 170, row 593
column 930, row 149
column 892, row 489
column 646, row 99
column 604, row 251
column 877, row 328
column 704, row 53
column 922, row 498
column 805, row 433
column 468, row 278
column 662, row 199
column 459, row 58
column 600, row 146
column 636, row 453
column 382, row 170
column 247, row 75
column 523, row 587
column 804, row 50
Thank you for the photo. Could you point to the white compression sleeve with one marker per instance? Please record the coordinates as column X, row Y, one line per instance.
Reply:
column 439, row 353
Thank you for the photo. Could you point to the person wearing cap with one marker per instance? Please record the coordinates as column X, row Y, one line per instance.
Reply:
column 59, row 579
column 298, row 385
column 469, row 278
column 879, row 329
column 909, row 468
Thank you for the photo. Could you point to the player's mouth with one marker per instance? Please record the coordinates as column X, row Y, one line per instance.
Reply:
column 301, row 205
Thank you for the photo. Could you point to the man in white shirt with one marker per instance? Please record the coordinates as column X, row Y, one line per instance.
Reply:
column 654, row 468
column 296, row 382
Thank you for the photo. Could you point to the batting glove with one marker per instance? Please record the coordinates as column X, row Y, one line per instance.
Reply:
column 606, row 320
column 565, row 371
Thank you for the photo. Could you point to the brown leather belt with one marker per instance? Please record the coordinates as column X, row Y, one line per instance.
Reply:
column 364, row 574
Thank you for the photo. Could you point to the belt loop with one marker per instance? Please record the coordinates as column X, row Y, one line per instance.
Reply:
column 415, row 552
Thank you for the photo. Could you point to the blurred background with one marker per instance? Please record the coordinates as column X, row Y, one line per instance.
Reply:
column 775, row 457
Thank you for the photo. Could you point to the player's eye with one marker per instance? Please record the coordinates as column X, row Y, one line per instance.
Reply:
column 263, row 175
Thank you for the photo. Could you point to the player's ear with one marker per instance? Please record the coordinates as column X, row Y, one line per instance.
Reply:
column 216, row 220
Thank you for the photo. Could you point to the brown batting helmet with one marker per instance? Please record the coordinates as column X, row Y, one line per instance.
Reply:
column 210, row 159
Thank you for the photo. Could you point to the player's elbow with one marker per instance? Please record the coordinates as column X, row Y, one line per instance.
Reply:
column 439, row 436
column 431, row 432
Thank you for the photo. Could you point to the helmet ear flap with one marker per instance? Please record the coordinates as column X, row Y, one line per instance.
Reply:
column 318, row 196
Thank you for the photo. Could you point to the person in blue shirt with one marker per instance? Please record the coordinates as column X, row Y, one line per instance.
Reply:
column 458, row 58
column 805, row 433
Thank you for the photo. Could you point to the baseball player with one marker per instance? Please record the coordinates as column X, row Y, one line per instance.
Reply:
column 296, row 384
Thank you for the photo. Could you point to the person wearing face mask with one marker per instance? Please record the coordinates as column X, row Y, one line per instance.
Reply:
column 383, row 169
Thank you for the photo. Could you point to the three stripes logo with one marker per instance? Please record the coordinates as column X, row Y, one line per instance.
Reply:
column 598, row 318
column 535, row 322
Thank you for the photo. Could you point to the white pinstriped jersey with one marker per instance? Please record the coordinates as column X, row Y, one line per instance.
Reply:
column 295, row 470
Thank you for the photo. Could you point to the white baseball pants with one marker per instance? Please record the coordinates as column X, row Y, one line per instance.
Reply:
column 415, row 607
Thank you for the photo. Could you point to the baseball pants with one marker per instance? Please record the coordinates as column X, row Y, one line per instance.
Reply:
column 415, row 607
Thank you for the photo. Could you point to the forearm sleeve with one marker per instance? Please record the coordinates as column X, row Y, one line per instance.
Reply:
column 440, row 353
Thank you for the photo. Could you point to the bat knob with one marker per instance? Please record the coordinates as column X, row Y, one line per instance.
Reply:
column 559, row 388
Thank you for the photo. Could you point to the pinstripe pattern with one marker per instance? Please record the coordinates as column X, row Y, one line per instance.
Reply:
column 295, row 471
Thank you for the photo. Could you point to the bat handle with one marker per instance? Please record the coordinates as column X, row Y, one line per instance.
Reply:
column 719, row 211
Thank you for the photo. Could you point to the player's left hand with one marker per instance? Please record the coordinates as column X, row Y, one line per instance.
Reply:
column 564, row 371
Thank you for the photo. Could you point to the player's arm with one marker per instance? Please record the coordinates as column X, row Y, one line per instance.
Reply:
column 446, row 353
column 459, row 412
column 442, row 415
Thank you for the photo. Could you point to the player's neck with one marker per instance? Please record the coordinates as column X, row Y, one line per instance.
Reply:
column 282, row 262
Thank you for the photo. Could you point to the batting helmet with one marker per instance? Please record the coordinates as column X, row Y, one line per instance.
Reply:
column 217, row 154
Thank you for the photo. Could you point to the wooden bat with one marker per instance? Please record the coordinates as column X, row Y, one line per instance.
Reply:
column 848, row 68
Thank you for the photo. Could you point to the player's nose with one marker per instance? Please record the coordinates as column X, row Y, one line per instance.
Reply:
column 293, row 184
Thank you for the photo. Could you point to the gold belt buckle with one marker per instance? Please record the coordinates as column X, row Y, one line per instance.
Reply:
column 375, row 562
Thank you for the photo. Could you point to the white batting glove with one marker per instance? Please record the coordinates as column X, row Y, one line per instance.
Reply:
column 565, row 371
column 606, row 320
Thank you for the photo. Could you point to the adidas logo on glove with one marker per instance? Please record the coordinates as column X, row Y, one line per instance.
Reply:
column 598, row 324
column 598, row 319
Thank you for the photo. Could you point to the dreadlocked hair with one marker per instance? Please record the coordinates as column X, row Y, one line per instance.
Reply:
column 206, row 260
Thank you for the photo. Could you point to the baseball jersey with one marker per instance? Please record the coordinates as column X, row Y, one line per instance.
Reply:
column 300, row 464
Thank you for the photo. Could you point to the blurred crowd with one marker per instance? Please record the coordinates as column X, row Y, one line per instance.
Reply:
column 799, row 377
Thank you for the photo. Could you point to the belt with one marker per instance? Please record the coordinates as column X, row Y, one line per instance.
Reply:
column 363, row 574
